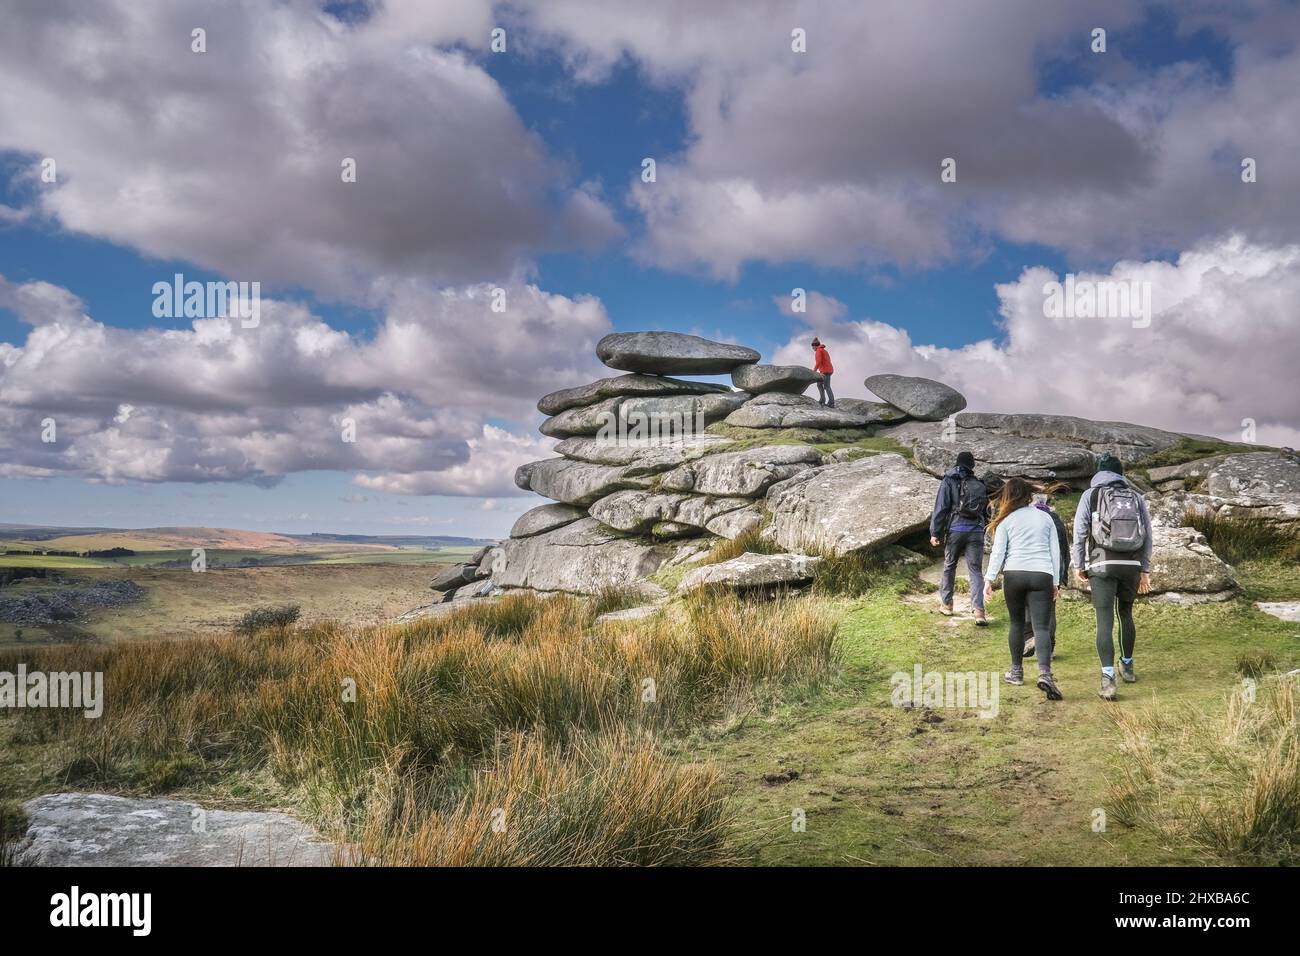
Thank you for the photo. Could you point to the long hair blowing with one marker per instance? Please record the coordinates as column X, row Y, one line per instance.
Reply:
column 1015, row 494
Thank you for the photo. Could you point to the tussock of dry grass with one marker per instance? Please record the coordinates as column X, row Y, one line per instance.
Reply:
column 1228, row 784
column 385, row 730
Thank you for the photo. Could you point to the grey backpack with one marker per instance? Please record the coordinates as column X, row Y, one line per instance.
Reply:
column 1117, row 523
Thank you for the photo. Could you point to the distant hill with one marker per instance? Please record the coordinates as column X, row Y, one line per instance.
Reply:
column 230, row 539
column 397, row 540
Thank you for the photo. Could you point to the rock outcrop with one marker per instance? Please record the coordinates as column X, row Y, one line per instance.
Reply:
column 98, row 829
column 630, row 506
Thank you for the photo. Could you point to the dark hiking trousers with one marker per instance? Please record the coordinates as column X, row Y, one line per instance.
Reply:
column 1031, row 590
column 1113, row 594
column 968, row 545
column 1051, row 625
column 824, row 394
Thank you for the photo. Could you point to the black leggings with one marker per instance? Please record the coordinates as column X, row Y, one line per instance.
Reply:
column 1031, row 589
column 1113, row 594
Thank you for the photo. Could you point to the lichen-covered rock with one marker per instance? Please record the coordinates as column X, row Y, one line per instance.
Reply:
column 1009, row 456
column 671, row 353
column 456, row 576
column 752, row 571
column 584, row 557
column 99, row 829
column 545, row 518
column 641, row 511
column 733, row 524
column 1129, row 443
column 846, row 507
column 1265, row 485
column 921, row 398
column 779, row 410
column 622, row 385
column 741, row 474
column 759, row 379
column 577, row 482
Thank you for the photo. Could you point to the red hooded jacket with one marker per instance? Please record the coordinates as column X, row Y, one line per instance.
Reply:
column 822, row 360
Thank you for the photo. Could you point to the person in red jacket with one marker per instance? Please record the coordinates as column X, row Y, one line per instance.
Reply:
column 822, row 365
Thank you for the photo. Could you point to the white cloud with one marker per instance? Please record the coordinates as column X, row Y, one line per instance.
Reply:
column 1223, row 346
column 217, row 402
column 232, row 158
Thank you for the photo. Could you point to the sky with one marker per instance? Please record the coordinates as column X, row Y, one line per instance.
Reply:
column 796, row 145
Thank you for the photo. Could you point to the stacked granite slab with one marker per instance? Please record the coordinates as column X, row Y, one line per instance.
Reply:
column 627, row 503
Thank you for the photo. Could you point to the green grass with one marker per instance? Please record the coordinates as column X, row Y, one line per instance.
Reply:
column 882, row 785
column 1193, row 449
column 1244, row 537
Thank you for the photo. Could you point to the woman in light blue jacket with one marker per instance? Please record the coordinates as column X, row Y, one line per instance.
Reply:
column 1027, row 555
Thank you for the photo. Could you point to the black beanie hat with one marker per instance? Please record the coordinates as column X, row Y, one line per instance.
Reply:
column 966, row 460
column 1109, row 462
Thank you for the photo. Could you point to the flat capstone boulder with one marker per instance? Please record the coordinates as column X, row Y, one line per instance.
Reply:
column 671, row 353
column 578, row 482
column 641, row 456
column 759, row 379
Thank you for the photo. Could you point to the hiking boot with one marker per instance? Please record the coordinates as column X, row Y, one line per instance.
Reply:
column 945, row 610
column 1126, row 672
column 1047, row 684
column 981, row 619
column 1107, row 691
column 1030, row 647
column 1015, row 676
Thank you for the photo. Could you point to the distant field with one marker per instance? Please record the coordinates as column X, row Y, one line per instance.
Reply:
column 216, row 557
column 183, row 603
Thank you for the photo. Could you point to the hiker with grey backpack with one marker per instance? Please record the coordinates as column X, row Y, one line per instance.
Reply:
column 1112, row 554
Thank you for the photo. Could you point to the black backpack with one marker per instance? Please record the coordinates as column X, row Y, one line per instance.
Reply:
column 972, row 499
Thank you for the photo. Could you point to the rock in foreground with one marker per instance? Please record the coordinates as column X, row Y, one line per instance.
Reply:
column 98, row 829
column 752, row 571
column 671, row 353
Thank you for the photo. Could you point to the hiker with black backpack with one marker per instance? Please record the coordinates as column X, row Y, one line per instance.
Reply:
column 960, row 512
column 1112, row 554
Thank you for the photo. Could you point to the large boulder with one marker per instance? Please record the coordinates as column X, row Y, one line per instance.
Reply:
column 671, row 353
column 845, row 507
column 1182, row 563
column 759, row 379
column 1008, row 456
column 642, row 511
column 1262, row 484
column 779, row 410
column 456, row 576
column 545, row 518
column 752, row 571
column 578, row 482
column 584, row 557
column 621, row 386
column 582, row 420
column 641, row 456
column 99, row 829
column 733, row 524
column 1129, row 443
column 743, row 474
column 920, row 398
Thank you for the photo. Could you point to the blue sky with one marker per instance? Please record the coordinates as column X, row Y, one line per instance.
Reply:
column 906, row 274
